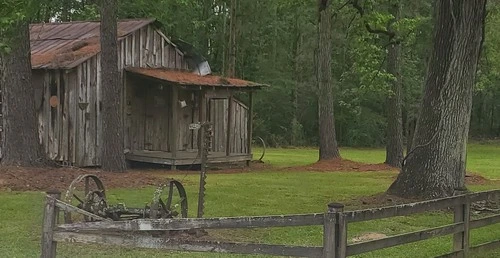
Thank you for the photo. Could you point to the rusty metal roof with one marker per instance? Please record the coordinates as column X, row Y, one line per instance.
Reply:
column 66, row 45
column 187, row 78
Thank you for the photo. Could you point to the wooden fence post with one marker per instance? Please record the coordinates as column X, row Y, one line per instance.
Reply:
column 329, row 232
column 331, row 236
column 341, row 232
column 50, row 217
column 461, row 239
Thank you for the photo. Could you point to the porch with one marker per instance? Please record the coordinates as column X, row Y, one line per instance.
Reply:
column 162, row 104
column 185, row 158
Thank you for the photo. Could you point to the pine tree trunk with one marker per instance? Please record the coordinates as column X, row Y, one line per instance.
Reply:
column 20, row 140
column 394, row 148
column 328, row 148
column 113, row 158
column 205, row 36
column 435, row 167
column 231, row 66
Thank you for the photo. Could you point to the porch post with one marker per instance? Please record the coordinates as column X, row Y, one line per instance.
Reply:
column 250, row 122
column 174, row 124
column 202, row 116
column 229, row 122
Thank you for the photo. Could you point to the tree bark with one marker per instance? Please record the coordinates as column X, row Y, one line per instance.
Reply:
column 231, row 66
column 20, row 140
column 113, row 157
column 328, row 148
column 435, row 167
column 394, row 148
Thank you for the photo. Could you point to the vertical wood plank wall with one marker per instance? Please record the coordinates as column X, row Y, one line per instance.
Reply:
column 238, row 132
column 71, row 131
column 57, row 123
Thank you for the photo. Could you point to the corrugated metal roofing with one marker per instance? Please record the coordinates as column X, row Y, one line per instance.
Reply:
column 66, row 45
column 192, row 79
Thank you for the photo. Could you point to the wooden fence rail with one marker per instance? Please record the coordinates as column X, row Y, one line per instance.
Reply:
column 138, row 233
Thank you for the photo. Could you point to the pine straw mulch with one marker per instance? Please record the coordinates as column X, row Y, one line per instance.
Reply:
column 343, row 165
column 50, row 178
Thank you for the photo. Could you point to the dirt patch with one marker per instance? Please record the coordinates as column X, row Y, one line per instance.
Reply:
column 475, row 179
column 43, row 179
column 344, row 165
column 239, row 168
column 368, row 237
column 377, row 200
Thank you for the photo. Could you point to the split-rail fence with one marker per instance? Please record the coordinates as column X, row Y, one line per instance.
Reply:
column 335, row 221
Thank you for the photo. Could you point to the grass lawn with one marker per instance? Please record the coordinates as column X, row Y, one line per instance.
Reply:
column 262, row 193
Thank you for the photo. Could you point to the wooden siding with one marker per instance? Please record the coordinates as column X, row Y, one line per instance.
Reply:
column 56, row 123
column 72, row 131
column 238, row 125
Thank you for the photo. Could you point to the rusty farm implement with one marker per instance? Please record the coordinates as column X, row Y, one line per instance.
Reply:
column 87, row 192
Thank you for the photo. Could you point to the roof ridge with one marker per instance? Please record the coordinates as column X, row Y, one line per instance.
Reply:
column 91, row 21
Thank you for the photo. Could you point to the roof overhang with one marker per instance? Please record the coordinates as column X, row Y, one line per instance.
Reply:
column 190, row 79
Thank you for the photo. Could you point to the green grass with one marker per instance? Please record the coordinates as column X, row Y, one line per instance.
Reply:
column 262, row 193
column 482, row 158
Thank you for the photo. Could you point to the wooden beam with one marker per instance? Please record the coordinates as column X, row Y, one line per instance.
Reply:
column 229, row 122
column 174, row 123
column 369, row 246
column 250, row 122
column 202, row 109
column 461, row 239
column 69, row 208
column 188, row 245
column 419, row 207
column 482, row 248
column 50, row 217
column 486, row 221
column 197, row 223
column 329, row 236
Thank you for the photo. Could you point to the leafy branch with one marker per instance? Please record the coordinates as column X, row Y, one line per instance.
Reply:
column 391, row 34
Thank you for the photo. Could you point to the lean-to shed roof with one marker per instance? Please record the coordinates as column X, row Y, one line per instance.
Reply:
column 186, row 78
column 66, row 45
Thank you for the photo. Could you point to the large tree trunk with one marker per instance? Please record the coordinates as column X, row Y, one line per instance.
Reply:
column 113, row 158
column 435, row 167
column 328, row 148
column 20, row 141
column 394, row 148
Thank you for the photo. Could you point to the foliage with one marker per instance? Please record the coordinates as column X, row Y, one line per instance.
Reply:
column 276, row 44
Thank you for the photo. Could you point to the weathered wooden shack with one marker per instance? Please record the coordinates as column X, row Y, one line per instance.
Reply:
column 165, row 90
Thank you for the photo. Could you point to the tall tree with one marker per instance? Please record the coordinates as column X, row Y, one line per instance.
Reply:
column 394, row 132
column 435, row 167
column 394, row 145
column 231, row 65
column 20, row 141
column 113, row 157
column 328, row 147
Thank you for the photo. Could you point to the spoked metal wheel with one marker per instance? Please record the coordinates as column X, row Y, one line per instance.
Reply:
column 169, row 201
column 87, row 193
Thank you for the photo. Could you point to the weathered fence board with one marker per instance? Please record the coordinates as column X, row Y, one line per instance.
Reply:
column 455, row 254
column 139, row 233
column 486, row 246
column 419, row 207
column 486, row 221
column 50, row 217
column 198, row 223
column 403, row 239
column 196, row 246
